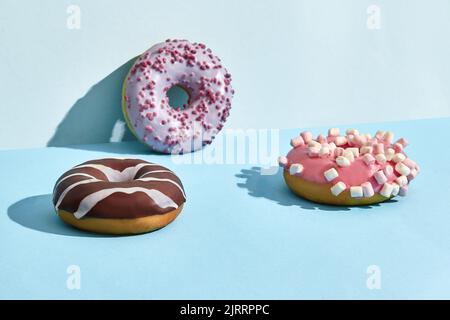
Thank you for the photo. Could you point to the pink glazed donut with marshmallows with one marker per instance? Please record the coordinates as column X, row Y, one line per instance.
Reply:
column 145, row 103
column 349, row 169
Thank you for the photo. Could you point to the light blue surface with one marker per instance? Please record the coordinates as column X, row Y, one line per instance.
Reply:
column 294, row 62
column 241, row 235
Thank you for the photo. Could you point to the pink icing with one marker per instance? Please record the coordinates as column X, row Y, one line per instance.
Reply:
column 193, row 67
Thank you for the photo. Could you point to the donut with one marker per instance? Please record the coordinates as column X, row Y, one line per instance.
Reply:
column 348, row 170
column 145, row 103
column 118, row 196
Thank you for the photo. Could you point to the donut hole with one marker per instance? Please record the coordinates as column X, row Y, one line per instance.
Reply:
column 178, row 97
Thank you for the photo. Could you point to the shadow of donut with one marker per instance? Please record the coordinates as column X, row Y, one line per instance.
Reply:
column 37, row 213
column 273, row 188
column 95, row 117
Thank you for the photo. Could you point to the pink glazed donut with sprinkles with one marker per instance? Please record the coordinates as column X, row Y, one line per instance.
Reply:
column 348, row 169
column 191, row 66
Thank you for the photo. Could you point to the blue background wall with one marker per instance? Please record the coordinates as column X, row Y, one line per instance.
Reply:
column 294, row 63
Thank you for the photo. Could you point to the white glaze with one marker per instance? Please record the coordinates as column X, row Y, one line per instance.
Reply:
column 66, row 191
column 163, row 179
column 73, row 175
column 156, row 171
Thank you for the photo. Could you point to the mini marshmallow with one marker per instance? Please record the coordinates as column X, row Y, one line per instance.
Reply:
column 403, row 142
column 351, row 140
column 321, row 139
column 388, row 170
column 355, row 151
column 402, row 181
column 369, row 144
column 297, row 142
column 367, row 189
column 403, row 191
column 410, row 163
column 395, row 189
column 313, row 152
column 398, row 157
column 386, row 191
column 356, row 192
column 412, row 174
column 366, row 149
column 389, row 153
column 402, row 169
column 306, row 135
column 352, row 131
column 380, row 177
column 338, row 188
column 378, row 148
column 332, row 146
column 381, row 158
column 398, row 147
column 388, row 136
column 324, row 151
column 342, row 161
column 295, row 169
column 333, row 132
column 360, row 140
column 331, row 174
column 368, row 159
column 338, row 151
column 314, row 144
column 282, row 161
column 349, row 155
column 380, row 134
column 340, row 141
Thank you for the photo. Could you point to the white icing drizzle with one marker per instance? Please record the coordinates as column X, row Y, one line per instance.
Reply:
column 73, row 175
column 64, row 193
column 156, row 171
column 162, row 179
column 91, row 200
column 116, row 175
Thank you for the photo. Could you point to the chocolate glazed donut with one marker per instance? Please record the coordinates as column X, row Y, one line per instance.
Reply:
column 118, row 196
